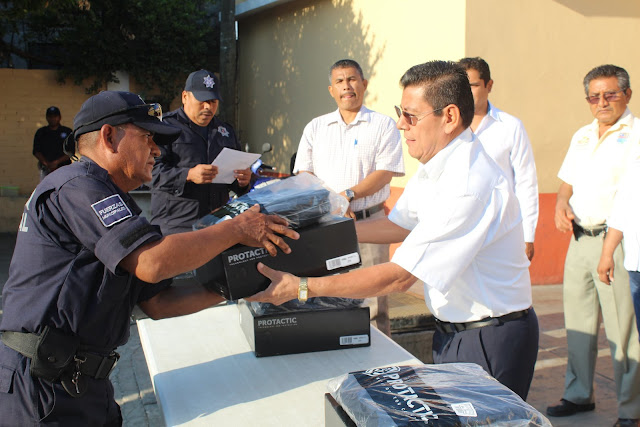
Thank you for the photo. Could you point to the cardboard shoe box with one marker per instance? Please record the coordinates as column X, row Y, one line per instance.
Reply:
column 325, row 248
column 305, row 331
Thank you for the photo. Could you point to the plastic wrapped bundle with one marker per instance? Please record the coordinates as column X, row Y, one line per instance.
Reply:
column 312, row 304
column 452, row 394
column 302, row 200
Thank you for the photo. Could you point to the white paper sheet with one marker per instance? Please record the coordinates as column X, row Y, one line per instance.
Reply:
column 229, row 160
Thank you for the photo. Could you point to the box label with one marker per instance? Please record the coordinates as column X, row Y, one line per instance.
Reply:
column 279, row 322
column 464, row 409
column 343, row 261
column 246, row 256
column 354, row 340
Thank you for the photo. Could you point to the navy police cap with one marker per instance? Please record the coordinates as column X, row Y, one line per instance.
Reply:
column 53, row 111
column 204, row 85
column 116, row 108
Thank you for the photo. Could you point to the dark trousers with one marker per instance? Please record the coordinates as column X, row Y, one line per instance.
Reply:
column 28, row 401
column 508, row 352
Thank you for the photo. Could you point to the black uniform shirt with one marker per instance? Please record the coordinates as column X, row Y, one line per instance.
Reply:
column 76, row 228
column 175, row 203
column 49, row 142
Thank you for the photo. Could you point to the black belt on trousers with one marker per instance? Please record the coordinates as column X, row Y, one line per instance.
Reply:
column 91, row 364
column 366, row 213
column 448, row 327
column 579, row 231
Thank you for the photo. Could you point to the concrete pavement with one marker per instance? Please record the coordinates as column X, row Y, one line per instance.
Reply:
column 134, row 391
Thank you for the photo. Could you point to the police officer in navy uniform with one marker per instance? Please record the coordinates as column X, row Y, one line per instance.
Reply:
column 182, row 191
column 47, row 143
column 84, row 257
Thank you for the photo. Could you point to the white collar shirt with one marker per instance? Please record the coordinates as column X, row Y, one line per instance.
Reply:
column 504, row 138
column 466, row 241
column 342, row 155
column 625, row 213
column 594, row 165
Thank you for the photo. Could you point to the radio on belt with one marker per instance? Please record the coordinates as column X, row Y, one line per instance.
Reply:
column 325, row 248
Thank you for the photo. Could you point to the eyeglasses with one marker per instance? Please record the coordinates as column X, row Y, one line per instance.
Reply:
column 608, row 96
column 412, row 119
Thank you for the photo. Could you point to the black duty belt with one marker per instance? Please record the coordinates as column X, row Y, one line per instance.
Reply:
column 579, row 231
column 366, row 213
column 89, row 364
column 449, row 328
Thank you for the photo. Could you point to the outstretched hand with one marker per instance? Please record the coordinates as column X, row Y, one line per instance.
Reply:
column 283, row 287
column 259, row 230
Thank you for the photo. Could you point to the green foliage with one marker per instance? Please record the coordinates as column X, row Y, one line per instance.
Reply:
column 157, row 42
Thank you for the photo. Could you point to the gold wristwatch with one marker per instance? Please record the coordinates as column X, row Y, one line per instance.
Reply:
column 303, row 291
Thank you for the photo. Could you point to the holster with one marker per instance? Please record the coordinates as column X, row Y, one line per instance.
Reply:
column 51, row 352
column 54, row 353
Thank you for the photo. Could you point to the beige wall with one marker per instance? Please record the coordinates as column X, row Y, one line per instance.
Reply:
column 284, row 55
column 539, row 52
column 25, row 96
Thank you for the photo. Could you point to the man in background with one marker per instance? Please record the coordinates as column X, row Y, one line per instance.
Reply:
column 182, row 190
column 48, row 141
column 505, row 140
column 356, row 152
column 598, row 157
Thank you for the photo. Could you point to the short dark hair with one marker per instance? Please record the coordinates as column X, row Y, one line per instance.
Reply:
column 444, row 83
column 607, row 70
column 478, row 64
column 346, row 63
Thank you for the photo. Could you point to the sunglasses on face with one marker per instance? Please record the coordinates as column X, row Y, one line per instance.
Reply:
column 608, row 96
column 412, row 119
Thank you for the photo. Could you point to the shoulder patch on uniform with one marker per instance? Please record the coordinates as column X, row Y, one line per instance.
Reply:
column 111, row 210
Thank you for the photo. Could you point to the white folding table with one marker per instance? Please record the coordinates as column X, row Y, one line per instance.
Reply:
column 205, row 374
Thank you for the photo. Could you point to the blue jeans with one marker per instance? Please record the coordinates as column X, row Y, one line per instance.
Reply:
column 634, row 284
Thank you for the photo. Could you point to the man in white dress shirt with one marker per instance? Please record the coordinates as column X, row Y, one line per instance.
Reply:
column 356, row 152
column 598, row 158
column 461, row 233
column 505, row 140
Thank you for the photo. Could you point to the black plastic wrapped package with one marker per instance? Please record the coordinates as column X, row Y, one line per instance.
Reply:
column 302, row 200
column 451, row 394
